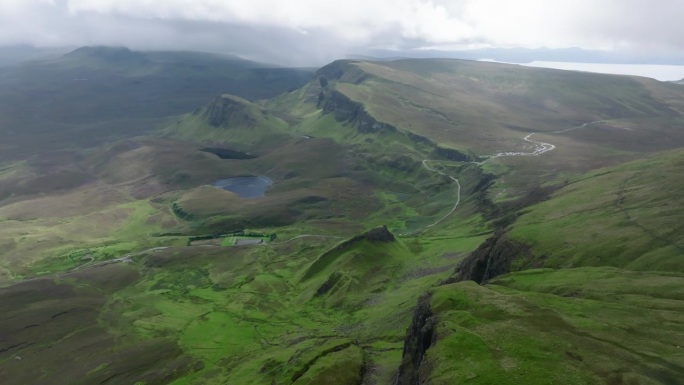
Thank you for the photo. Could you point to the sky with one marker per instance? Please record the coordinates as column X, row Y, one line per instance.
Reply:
column 314, row 32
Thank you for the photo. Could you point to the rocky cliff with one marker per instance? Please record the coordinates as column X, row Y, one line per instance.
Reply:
column 496, row 256
column 231, row 111
column 419, row 337
column 346, row 110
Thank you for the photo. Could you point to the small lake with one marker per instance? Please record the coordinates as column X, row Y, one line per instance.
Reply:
column 245, row 186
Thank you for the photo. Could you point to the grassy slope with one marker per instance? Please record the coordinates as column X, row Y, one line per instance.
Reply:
column 486, row 108
column 626, row 216
column 572, row 326
column 549, row 330
column 610, row 312
column 252, row 314
column 279, row 327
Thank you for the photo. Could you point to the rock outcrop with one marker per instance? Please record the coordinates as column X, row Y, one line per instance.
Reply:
column 494, row 257
column 346, row 110
column 419, row 337
column 231, row 111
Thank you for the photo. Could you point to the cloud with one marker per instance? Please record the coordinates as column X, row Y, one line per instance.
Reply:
column 314, row 31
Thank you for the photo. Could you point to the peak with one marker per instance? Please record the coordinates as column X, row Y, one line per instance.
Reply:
column 375, row 235
column 334, row 70
column 108, row 54
column 227, row 98
column 343, row 71
column 232, row 111
column 379, row 234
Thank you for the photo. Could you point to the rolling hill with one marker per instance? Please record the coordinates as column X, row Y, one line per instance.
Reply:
column 430, row 221
column 97, row 94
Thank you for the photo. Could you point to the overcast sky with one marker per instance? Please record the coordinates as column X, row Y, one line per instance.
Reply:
column 313, row 32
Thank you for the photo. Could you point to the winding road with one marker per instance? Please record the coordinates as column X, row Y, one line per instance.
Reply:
column 538, row 149
column 302, row 236
column 458, row 192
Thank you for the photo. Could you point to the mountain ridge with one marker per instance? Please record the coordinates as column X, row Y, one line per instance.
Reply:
column 438, row 221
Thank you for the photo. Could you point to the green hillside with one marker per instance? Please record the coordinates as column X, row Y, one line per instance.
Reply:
column 429, row 221
column 605, row 307
column 99, row 94
column 627, row 216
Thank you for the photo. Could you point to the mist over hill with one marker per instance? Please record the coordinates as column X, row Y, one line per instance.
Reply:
column 431, row 221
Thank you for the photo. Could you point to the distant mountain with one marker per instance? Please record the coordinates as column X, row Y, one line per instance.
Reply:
column 110, row 91
column 526, row 55
column 14, row 55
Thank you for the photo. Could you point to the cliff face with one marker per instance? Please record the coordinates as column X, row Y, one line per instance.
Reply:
column 343, row 71
column 451, row 154
column 419, row 337
column 376, row 235
column 347, row 110
column 231, row 111
column 494, row 257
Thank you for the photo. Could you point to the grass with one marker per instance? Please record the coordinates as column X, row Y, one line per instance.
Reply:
column 306, row 311
column 566, row 326
column 626, row 216
column 247, row 315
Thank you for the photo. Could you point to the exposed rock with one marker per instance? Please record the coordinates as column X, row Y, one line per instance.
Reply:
column 451, row 154
column 334, row 70
column 376, row 235
column 230, row 111
column 329, row 283
column 419, row 138
column 343, row 71
column 379, row 234
column 419, row 337
column 312, row 199
column 494, row 257
column 347, row 110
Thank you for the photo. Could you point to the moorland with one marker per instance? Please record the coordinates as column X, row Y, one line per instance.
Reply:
column 429, row 221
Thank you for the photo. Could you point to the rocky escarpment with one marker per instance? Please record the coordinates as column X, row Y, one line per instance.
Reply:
column 419, row 337
column 496, row 256
column 343, row 71
column 438, row 151
column 231, row 111
column 376, row 235
column 347, row 110
column 451, row 154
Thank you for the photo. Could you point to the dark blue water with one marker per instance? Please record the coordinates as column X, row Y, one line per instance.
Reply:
column 245, row 186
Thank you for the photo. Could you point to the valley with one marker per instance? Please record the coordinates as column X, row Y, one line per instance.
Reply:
column 422, row 221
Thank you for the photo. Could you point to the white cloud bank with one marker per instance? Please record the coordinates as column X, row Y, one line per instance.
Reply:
column 308, row 31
